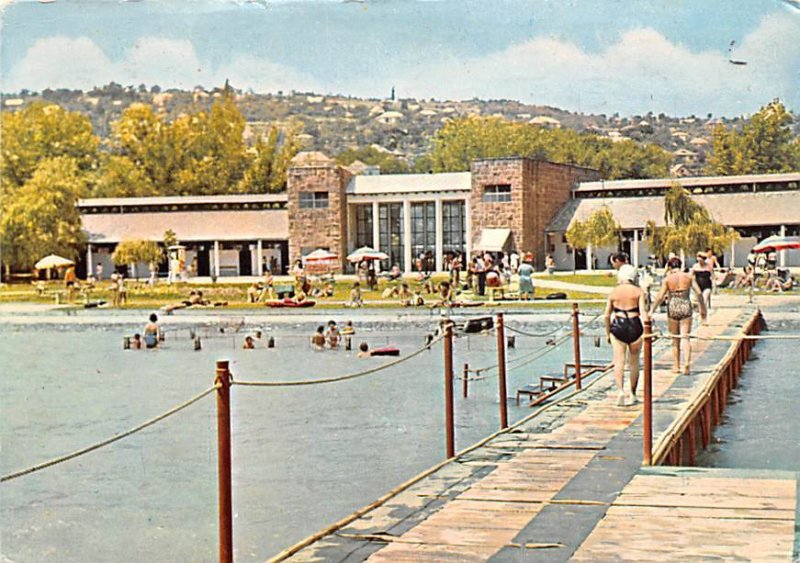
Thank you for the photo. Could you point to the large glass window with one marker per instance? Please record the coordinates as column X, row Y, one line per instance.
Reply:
column 313, row 200
column 423, row 228
column 364, row 225
column 391, row 231
column 498, row 193
column 454, row 226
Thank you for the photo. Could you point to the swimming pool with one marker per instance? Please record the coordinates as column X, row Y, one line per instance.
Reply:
column 303, row 457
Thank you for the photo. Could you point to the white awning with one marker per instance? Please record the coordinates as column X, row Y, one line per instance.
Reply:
column 493, row 240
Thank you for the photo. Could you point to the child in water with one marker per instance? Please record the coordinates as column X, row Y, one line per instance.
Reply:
column 318, row 340
column 332, row 336
column 137, row 342
column 364, row 351
column 249, row 344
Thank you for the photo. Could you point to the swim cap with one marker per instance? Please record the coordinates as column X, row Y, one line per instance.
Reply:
column 627, row 273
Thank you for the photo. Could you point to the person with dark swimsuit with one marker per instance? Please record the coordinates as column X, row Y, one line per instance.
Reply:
column 702, row 275
column 626, row 305
column 678, row 285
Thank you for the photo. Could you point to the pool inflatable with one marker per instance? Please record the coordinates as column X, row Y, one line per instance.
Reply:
column 386, row 351
column 289, row 303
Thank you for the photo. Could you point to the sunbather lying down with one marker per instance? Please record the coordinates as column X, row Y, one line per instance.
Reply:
column 195, row 300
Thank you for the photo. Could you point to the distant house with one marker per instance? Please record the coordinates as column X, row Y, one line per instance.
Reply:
column 389, row 117
column 13, row 102
column 315, row 99
column 680, row 171
column 428, row 113
column 685, row 156
column 699, row 142
column 545, row 121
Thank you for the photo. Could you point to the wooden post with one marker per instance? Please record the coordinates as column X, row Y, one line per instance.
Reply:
column 501, row 371
column 448, row 389
column 648, row 393
column 223, row 380
column 465, row 381
column 576, row 341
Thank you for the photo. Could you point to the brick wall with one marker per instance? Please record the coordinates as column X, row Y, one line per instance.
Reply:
column 538, row 190
column 318, row 228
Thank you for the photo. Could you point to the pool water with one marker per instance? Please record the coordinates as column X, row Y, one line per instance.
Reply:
column 761, row 424
column 303, row 457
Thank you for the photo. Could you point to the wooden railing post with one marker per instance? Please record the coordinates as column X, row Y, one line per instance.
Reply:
column 501, row 371
column 576, row 341
column 648, row 393
column 223, row 382
column 448, row 390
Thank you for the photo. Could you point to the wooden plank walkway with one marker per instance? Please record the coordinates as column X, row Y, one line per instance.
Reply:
column 670, row 514
column 574, row 490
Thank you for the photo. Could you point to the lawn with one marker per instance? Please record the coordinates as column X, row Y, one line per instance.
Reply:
column 140, row 295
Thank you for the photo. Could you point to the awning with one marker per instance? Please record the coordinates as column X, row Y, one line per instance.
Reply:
column 493, row 240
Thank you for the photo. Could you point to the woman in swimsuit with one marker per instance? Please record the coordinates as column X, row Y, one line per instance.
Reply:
column 678, row 285
column 704, row 278
column 625, row 307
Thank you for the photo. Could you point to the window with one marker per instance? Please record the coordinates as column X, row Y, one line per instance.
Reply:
column 423, row 228
column 454, row 235
column 391, row 231
column 313, row 200
column 364, row 225
column 498, row 193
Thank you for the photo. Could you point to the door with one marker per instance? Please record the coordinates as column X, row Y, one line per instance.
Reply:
column 245, row 261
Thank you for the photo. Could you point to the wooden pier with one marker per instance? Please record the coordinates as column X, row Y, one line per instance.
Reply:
column 567, row 483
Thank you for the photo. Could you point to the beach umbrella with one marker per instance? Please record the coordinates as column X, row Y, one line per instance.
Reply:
column 320, row 255
column 53, row 261
column 367, row 253
column 775, row 243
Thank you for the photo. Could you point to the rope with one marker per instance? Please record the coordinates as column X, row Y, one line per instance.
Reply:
column 108, row 441
column 533, row 334
column 542, row 352
column 341, row 377
column 697, row 336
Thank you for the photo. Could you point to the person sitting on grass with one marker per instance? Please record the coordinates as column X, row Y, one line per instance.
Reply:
column 445, row 295
column 253, row 293
column 745, row 278
column 783, row 281
column 389, row 292
column 405, row 295
column 356, row 299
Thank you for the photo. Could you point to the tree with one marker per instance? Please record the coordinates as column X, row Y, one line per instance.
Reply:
column 598, row 231
column 764, row 145
column 269, row 160
column 118, row 176
column 460, row 141
column 389, row 164
column 42, row 217
column 42, row 131
column 688, row 227
column 170, row 238
column 132, row 252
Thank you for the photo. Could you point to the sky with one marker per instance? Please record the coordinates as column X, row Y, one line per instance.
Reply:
column 591, row 56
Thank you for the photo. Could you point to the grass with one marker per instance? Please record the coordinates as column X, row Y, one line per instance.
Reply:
column 140, row 295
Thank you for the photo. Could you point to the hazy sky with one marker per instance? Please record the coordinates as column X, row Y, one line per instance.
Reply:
column 600, row 56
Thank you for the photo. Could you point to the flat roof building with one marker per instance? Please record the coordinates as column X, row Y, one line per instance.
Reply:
column 501, row 204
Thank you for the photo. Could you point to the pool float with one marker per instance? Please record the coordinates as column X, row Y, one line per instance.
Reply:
column 386, row 351
column 289, row 303
column 347, row 331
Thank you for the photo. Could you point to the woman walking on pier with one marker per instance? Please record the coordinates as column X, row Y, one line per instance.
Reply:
column 679, row 285
column 624, row 311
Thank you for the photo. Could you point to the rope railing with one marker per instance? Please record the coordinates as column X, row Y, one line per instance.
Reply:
column 340, row 377
column 109, row 441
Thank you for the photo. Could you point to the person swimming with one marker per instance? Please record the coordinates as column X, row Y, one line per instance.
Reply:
column 363, row 350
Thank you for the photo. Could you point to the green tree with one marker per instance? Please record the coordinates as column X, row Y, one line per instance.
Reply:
column 269, row 160
column 42, row 218
column 118, row 176
column 388, row 163
column 170, row 238
column 688, row 228
column 599, row 230
column 132, row 252
column 43, row 131
column 764, row 145
column 460, row 141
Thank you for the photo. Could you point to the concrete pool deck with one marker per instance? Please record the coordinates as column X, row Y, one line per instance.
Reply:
column 569, row 483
